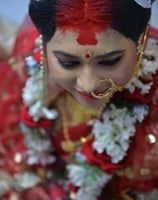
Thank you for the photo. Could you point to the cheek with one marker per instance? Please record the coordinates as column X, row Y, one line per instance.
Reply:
column 58, row 75
column 54, row 70
column 126, row 71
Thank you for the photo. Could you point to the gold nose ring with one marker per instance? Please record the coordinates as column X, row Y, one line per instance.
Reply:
column 109, row 92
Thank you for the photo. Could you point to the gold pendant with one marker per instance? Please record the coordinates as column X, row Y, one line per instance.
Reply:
column 68, row 146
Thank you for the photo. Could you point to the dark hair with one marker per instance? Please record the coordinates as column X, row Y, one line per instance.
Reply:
column 128, row 18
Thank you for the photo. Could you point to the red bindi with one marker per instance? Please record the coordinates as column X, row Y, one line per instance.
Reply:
column 87, row 55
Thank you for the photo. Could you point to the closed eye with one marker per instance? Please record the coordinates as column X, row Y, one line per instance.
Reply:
column 68, row 64
column 110, row 62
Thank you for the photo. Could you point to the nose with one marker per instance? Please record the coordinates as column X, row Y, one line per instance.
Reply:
column 87, row 80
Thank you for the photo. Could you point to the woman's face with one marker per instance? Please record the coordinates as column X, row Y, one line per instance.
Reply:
column 79, row 68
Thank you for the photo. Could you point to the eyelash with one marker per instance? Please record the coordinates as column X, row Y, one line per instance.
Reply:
column 111, row 62
column 70, row 64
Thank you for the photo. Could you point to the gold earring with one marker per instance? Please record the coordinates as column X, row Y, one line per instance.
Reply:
column 44, row 70
column 140, row 50
column 109, row 92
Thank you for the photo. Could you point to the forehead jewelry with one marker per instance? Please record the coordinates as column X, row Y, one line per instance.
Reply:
column 109, row 92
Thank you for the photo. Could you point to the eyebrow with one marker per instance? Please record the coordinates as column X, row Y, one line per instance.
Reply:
column 106, row 55
column 62, row 53
column 110, row 54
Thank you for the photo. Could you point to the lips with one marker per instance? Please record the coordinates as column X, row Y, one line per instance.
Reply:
column 86, row 96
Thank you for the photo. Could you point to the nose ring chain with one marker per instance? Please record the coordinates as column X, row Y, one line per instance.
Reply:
column 109, row 92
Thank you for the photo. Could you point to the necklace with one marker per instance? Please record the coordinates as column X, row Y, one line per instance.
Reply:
column 68, row 145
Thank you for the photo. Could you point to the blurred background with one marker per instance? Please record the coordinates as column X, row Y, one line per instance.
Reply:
column 14, row 9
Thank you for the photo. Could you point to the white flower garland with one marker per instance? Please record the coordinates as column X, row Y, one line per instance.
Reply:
column 39, row 148
column 112, row 135
column 19, row 181
column 89, row 179
column 33, row 93
column 147, row 68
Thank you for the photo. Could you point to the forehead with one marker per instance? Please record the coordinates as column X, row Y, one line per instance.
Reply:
column 67, row 41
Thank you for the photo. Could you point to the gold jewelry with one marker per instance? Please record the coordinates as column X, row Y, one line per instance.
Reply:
column 114, row 88
column 68, row 145
column 140, row 49
column 109, row 92
column 44, row 70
